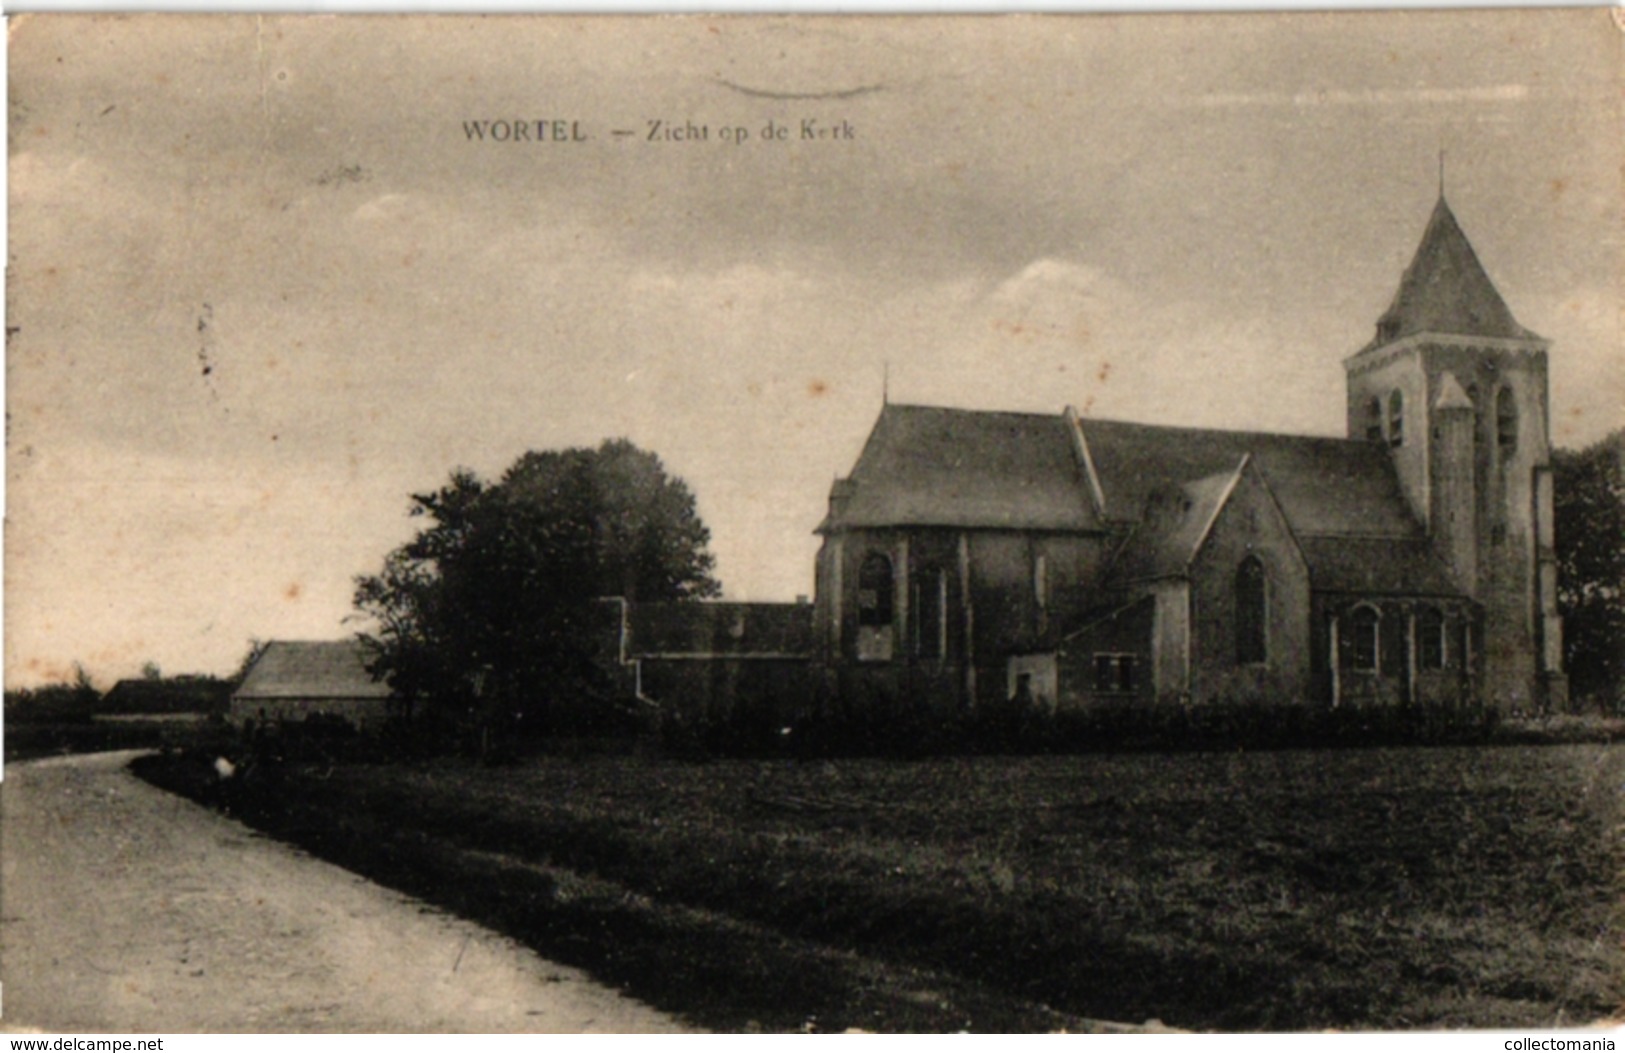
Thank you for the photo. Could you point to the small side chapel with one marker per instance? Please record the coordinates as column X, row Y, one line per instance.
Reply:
column 975, row 556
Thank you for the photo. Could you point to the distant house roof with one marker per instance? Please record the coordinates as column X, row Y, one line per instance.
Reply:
column 311, row 669
column 719, row 629
column 1445, row 290
column 932, row 466
column 173, row 694
column 1325, row 486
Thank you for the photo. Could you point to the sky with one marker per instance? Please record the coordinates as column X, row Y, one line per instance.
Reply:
column 263, row 285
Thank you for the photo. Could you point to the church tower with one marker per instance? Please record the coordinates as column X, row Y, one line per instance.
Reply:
column 1455, row 390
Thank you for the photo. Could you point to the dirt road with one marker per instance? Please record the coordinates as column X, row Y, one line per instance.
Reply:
column 123, row 908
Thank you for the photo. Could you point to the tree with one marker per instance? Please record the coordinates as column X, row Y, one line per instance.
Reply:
column 491, row 611
column 151, row 671
column 1589, row 505
column 74, row 700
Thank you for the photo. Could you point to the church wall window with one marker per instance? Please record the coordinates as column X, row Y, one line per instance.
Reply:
column 1361, row 639
column 1396, row 419
column 1430, row 639
column 1114, row 674
column 875, row 590
column 1252, row 608
column 1506, row 421
column 875, row 609
column 1373, row 420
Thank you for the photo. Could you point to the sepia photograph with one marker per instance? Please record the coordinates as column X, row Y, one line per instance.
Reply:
column 801, row 523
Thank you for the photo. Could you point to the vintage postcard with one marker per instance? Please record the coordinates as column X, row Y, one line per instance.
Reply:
column 1006, row 523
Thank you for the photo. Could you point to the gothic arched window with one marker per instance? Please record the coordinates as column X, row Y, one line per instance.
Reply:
column 1506, row 421
column 1396, row 419
column 875, row 590
column 1252, row 606
column 1430, row 639
column 1373, row 419
column 1361, row 638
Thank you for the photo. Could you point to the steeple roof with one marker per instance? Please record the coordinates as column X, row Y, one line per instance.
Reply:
column 1445, row 290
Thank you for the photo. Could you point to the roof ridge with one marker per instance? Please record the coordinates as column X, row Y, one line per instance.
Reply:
column 331, row 640
column 911, row 406
column 1232, row 479
column 1242, row 432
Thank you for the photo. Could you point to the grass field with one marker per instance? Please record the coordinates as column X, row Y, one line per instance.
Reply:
column 1393, row 888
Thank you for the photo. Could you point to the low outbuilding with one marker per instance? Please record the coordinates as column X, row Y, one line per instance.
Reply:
column 295, row 680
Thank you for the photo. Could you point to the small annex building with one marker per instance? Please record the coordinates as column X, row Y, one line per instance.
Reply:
column 294, row 680
column 976, row 556
column 708, row 659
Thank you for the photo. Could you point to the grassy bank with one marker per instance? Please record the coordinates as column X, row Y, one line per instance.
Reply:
column 1382, row 888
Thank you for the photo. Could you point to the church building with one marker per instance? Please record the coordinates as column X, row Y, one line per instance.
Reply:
column 974, row 556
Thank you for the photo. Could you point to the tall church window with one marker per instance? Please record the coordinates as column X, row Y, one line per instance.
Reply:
column 1506, row 421
column 875, row 591
column 1363, row 623
column 1373, row 419
column 1396, row 419
column 1252, row 602
column 875, row 609
column 930, row 589
column 1430, row 639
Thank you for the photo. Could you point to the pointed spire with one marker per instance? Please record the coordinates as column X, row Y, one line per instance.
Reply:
column 1446, row 290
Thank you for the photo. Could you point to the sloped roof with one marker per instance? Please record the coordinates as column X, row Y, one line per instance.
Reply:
column 1324, row 486
column 1094, row 619
column 1176, row 519
column 945, row 467
column 174, row 694
column 1445, row 289
column 1377, row 566
column 311, row 669
column 719, row 629
column 932, row 466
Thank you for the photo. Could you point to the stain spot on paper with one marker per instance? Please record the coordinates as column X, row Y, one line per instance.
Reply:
column 205, row 323
column 339, row 175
